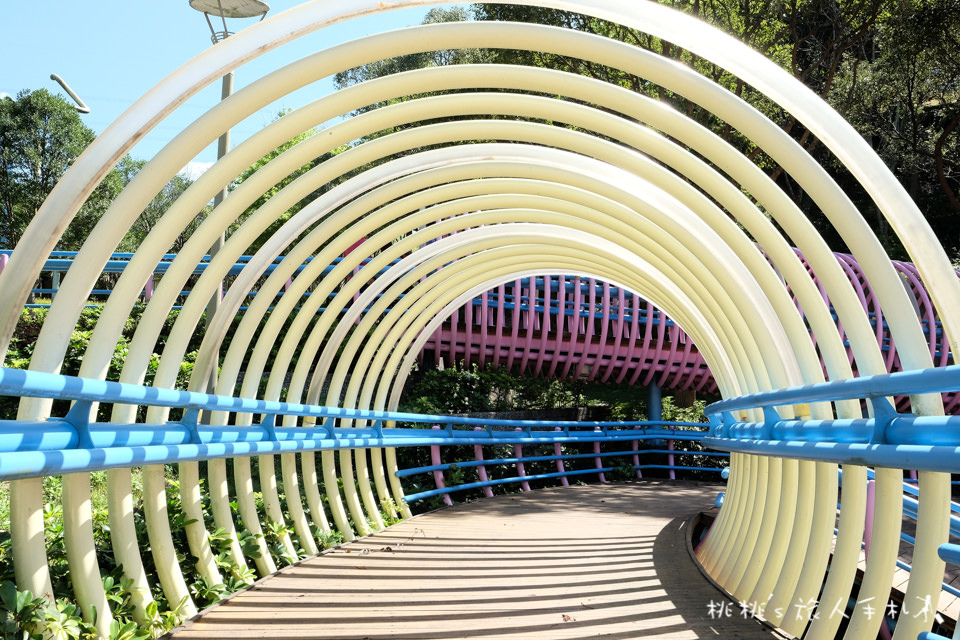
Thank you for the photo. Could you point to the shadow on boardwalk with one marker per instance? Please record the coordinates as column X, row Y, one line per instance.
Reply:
column 576, row 563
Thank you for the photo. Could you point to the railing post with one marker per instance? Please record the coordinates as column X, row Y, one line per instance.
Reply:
column 868, row 524
column 598, row 462
column 438, row 474
column 673, row 474
column 560, row 467
column 635, row 446
column 655, row 411
column 518, row 453
column 482, row 469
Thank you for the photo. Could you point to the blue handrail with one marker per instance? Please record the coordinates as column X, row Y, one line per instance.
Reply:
column 60, row 262
column 75, row 442
column 890, row 439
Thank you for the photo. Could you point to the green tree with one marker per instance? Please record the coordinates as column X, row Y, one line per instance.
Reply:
column 286, row 180
column 907, row 103
column 810, row 38
column 157, row 207
column 421, row 60
column 890, row 68
column 41, row 135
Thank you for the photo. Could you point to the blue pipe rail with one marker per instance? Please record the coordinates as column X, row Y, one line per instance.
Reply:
column 948, row 553
column 60, row 262
column 413, row 497
column 888, row 439
column 403, row 473
column 75, row 443
column 911, row 510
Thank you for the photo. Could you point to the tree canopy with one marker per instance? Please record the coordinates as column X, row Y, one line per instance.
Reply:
column 41, row 135
column 157, row 207
column 286, row 180
column 891, row 68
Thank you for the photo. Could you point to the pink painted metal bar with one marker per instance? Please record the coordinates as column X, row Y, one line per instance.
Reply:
column 560, row 466
column 438, row 474
column 670, row 446
column 482, row 469
column 598, row 461
column 635, row 446
column 521, row 471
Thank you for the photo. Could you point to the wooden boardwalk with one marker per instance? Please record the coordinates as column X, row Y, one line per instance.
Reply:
column 576, row 562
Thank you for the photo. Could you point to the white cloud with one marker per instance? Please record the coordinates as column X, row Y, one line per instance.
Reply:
column 194, row 170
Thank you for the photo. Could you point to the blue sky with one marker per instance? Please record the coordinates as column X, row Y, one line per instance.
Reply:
column 111, row 52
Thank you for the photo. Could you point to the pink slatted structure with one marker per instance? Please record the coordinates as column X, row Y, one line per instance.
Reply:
column 569, row 326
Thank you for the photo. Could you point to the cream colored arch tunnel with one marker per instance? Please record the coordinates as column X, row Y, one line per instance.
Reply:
column 644, row 213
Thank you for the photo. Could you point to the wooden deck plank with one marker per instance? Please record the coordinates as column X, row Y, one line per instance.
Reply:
column 576, row 562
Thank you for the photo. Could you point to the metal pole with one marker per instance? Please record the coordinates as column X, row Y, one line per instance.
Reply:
column 223, row 146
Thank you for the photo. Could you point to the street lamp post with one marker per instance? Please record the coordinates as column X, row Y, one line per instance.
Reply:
column 222, row 10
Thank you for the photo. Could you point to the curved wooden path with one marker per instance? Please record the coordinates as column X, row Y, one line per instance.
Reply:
column 575, row 562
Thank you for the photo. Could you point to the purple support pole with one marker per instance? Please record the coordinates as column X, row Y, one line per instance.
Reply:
column 148, row 288
column 868, row 525
column 469, row 321
column 4, row 258
column 604, row 333
column 558, row 326
column 484, row 328
column 515, row 321
column 531, row 324
column 544, row 327
column 518, row 453
column 482, row 469
column 598, row 462
column 288, row 284
column 560, row 468
column 438, row 474
column 673, row 474
column 588, row 328
column 636, row 458
column 500, row 324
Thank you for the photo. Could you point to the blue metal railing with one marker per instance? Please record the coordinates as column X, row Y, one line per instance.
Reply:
column 570, row 457
column 949, row 553
column 75, row 442
column 60, row 262
column 887, row 439
column 911, row 510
